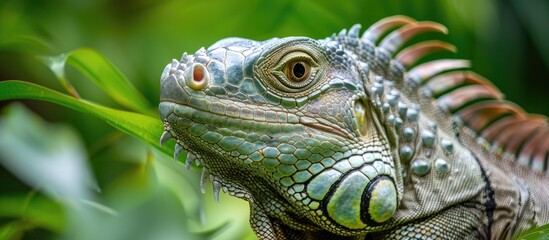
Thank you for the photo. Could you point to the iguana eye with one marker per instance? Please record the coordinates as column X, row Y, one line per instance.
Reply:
column 291, row 71
column 298, row 70
column 295, row 72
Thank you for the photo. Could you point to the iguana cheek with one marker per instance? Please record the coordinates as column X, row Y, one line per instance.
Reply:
column 352, row 200
column 382, row 202
column 345, row 204
column 358, row 202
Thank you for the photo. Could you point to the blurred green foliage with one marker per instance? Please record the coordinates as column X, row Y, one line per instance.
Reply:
column 67, row 174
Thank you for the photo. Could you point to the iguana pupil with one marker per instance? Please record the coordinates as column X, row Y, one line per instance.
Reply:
column 298, row 70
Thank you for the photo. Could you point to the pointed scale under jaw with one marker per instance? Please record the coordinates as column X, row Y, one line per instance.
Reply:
column 274, row 122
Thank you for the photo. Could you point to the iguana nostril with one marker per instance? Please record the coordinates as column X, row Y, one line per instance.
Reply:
column 198, row 74
column 197, row 77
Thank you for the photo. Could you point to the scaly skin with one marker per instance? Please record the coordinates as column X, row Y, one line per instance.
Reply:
column 335, row 139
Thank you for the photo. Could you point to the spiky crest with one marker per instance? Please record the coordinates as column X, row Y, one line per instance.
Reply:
column 463, row 96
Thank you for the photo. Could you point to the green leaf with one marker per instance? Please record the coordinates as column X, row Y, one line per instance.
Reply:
column 14, row 230
column 141, row 126
column 23, row 43
column 57, row 66
column 36, row 210
column 539, row 233
column 49, row 157
column 103, row 73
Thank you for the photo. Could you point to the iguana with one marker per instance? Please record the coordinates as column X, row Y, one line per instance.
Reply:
column 344, row 138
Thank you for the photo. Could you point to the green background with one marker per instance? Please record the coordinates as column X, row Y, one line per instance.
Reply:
column 134, row 192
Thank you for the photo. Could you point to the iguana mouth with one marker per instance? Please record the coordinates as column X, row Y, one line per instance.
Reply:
column 219, row 119
column 187, row 102
column 324, row 128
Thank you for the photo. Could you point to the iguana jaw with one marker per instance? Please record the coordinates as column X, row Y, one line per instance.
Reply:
column 197, row 148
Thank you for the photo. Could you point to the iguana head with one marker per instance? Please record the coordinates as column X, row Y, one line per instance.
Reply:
column 287, row 124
